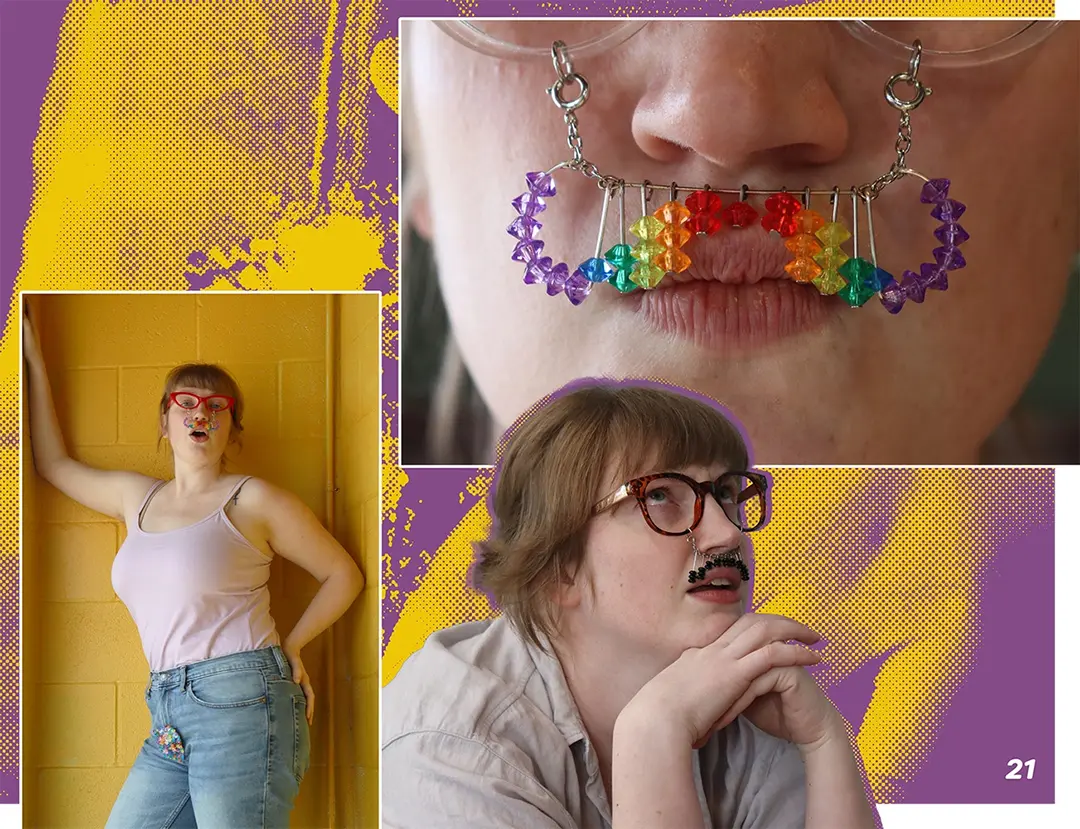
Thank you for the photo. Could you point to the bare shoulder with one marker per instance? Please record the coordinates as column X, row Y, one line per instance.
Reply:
column 271, row 500
column 133, row 487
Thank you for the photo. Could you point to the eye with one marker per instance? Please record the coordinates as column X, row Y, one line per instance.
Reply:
column 658, row 495
column 186, row 401
column 218, row 404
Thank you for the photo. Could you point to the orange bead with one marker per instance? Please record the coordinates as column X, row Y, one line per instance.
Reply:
column 809, row 221
column 803, row 269
column 673, row 237
column 673, row 260
column 672, row 213
column 803, row 244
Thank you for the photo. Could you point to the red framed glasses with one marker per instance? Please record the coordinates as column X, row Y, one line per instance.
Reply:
column 214, row 403
column 673, row 504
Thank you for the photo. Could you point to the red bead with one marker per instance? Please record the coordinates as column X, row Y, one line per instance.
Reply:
column 703, row 201
column 739, row 214
column 700, row 223
column 782, row 203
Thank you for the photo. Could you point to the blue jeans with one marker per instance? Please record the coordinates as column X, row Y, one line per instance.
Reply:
column 228, row 747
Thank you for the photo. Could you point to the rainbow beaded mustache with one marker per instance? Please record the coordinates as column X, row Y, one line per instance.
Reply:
column 815, row 243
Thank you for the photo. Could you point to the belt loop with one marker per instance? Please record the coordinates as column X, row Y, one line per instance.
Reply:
column 282, row 662
column 183, row 677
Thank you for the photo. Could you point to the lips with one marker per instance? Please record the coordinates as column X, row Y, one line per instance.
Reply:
column 199, row 436
column 735, row 295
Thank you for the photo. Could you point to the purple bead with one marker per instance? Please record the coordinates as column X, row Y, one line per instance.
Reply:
column 951, row 234
column 913, row 286
column 524, row 227
column 538, row 271
column 933, row 276
column 529, row 204
column 892, row 297
column 577, row 287
column 949, row 258
column 540, row 184
column 556, row 280
column 935, row 191
column 596, row 270
column 527, row 251
column 948, row 211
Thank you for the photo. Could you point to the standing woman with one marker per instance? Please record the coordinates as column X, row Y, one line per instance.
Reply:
column 230, row 702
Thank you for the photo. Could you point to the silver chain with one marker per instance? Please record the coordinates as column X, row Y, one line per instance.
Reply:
column 567, row 77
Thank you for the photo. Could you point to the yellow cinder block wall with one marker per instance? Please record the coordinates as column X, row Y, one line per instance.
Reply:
column 84, row 671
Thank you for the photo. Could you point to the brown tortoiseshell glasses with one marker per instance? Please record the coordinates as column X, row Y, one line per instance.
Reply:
column 673, row 503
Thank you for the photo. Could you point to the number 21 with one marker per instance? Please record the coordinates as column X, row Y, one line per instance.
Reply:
column 1016, row 765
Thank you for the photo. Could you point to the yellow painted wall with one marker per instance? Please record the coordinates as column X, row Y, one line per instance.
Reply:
column 84, row 671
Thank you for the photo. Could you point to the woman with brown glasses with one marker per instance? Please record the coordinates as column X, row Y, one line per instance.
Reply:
column 625, row 685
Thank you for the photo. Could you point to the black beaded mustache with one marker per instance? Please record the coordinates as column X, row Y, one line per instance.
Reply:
column 725, row 560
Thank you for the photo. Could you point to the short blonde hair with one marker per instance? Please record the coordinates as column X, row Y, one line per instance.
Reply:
column 550, row 469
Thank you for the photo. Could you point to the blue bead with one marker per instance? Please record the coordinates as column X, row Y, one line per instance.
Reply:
column 597, row 269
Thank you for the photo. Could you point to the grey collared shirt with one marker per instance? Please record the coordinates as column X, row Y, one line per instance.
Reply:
column 480, row 732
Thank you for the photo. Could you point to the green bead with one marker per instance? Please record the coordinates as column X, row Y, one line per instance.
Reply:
column 623, row 280
column 621, row 256
column 857, row 270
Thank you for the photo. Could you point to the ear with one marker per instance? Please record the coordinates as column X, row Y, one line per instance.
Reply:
column 569, row 590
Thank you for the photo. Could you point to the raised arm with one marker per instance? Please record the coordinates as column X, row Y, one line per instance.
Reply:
column 107, row 492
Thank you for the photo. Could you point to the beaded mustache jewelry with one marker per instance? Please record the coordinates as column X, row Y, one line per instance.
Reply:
column 723, row 560
column 815, row 243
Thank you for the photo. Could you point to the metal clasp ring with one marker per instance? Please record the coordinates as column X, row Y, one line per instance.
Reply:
column 921, row 92
column 572, row 79
column 911, row 77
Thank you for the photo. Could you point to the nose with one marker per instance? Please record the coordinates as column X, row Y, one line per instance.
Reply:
column 716, row 530
column 742, row 96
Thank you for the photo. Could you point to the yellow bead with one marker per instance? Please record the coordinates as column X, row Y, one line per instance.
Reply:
column 831, row 258
column 833, row 234
column 830, row 282
column 647, row 227
column 647, row 275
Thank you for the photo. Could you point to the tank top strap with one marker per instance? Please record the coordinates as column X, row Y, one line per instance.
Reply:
column 150, row 493
column 235, row 490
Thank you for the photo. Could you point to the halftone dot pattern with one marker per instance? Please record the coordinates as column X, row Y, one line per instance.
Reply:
column 889, row 565
column 913, row 9
column 9, row 584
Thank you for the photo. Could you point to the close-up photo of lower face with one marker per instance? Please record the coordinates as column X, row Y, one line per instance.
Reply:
column 831, row 227
column 200, row 502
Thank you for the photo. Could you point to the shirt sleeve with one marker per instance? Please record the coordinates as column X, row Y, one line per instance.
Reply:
column 435, row 780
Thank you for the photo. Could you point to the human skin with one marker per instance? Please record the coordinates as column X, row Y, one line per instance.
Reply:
column 655, row 669
column 772, row 104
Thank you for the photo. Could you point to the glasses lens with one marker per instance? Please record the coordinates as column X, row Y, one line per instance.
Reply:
column 186, row 401
column 743, row 500
column 534, row 38
column 218, row 403
column 956, row 43
column 670, row 504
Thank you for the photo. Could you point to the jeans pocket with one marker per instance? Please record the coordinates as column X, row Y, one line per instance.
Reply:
column 302, row 739
column 228, row 689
